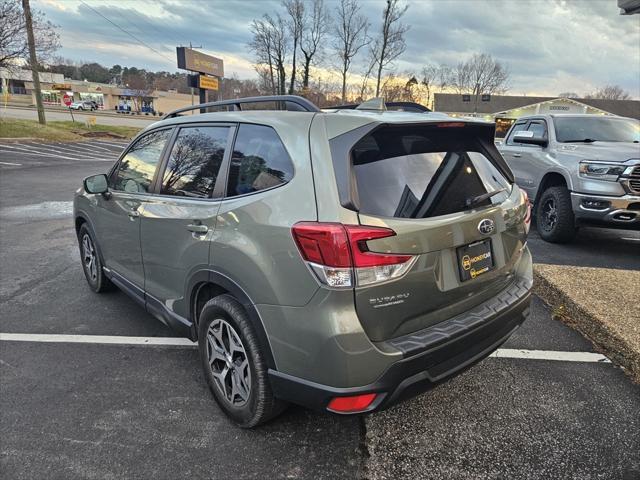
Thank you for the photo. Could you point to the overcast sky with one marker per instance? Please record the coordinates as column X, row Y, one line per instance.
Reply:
column 550, row 46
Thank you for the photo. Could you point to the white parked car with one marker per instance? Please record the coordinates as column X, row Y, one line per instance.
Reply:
column 84, row 105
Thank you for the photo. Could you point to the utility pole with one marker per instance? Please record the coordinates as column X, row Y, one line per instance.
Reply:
column 34, row 61
column 192, row 47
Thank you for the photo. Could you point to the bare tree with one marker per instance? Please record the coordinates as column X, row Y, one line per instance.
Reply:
column 364, row 87
column 610, row 92
column 390, row 43
column 295, row 10
column 350, row 37
column 431, row 78
column 568, row 95
column 261, row 46
column 481, row 74
column 315, row 28
column 13, row 35
column 280, row 49
column 270, row 46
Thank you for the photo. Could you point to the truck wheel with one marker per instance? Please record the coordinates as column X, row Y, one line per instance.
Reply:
column 554, row 216
column 233, row 363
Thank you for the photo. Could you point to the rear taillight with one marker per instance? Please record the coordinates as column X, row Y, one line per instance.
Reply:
column 527, row 218
column 340, row 257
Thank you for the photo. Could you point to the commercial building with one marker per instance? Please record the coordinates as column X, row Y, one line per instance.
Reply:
column 505, row 109
column 16, row 87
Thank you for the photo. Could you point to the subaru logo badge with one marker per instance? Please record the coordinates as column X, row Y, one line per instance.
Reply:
column 486, row 226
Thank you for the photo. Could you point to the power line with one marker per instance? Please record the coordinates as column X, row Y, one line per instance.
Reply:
column 124, row 18
column 125, row 31
column 163, row 32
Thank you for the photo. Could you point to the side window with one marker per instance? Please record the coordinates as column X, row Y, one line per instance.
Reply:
column 137, row 168
column 518, row 127
column 195, row 161
column 259, row 161
column 538, row 128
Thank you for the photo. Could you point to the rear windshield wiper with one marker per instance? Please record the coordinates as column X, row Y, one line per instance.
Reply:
column 473, row 201
column 582, row 140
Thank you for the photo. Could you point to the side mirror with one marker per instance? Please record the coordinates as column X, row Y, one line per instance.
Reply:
column 528, row 138
column 96, row 184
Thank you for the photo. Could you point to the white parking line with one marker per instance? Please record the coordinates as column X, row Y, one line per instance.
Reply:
column 85, row 147
column 48, row 148
column 30, row 151
column 550, row 355
column 587, row 357
column 11, row 163
column 114, row 144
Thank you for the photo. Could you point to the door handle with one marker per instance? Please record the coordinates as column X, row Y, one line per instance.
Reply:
column 517, row 155
column 197, row 228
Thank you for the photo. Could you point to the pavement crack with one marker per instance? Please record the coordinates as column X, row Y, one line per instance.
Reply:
column 2, row 362
column 29, row 286
column 363, row 448
column 512, row 385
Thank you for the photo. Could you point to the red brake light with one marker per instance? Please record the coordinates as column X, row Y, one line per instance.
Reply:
column 357, row 403
column 340, row 258
column 323, row 243
column 451, row 124
column 337, row 245
column 362, row 257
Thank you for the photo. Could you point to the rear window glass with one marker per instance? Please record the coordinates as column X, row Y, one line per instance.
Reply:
column 423, row 172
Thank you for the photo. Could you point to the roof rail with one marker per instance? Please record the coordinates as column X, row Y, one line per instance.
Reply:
column 291, row 102
column 407, row 106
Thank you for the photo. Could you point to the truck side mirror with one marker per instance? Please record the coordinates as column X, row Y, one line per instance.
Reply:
column 528, row 138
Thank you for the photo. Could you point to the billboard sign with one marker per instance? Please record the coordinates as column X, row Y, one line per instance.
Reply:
column 189, row 59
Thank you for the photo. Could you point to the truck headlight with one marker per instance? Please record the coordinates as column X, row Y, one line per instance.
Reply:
column 601, row 171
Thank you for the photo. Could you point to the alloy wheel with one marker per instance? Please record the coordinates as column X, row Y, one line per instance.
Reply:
column 549, row 216
column 229, row 362
column 89, row 257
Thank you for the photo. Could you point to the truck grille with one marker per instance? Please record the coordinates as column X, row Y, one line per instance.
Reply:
column 634, row 180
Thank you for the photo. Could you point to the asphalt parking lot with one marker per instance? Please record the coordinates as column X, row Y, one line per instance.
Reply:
column 95, row 411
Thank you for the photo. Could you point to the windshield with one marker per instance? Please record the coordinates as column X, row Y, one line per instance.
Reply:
column 596, row 129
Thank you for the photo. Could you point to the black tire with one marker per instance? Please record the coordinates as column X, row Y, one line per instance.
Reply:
column 260, row 405
column 554, row 216
column 96, row 278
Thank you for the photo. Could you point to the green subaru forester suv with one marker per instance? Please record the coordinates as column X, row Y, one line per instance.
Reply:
column 338, row 259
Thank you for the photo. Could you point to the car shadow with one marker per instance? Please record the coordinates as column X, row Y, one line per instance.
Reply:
column 592, row 247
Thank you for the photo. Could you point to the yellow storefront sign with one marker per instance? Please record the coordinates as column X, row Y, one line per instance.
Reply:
column 208, row 83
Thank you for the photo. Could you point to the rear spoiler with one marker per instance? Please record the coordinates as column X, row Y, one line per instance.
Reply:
column 342, row 145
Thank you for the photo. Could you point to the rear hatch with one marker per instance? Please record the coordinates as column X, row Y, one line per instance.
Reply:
column 453, row 214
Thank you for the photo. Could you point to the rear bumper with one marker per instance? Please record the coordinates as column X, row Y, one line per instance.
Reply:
column 621, row 212
column 430, row 356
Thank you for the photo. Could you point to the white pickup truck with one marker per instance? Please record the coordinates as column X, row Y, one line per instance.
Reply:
column 577, row 169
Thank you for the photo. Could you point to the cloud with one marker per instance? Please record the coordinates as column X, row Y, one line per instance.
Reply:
column 548, row 45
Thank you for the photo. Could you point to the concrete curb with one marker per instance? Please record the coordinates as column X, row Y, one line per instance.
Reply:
column 605, row 339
